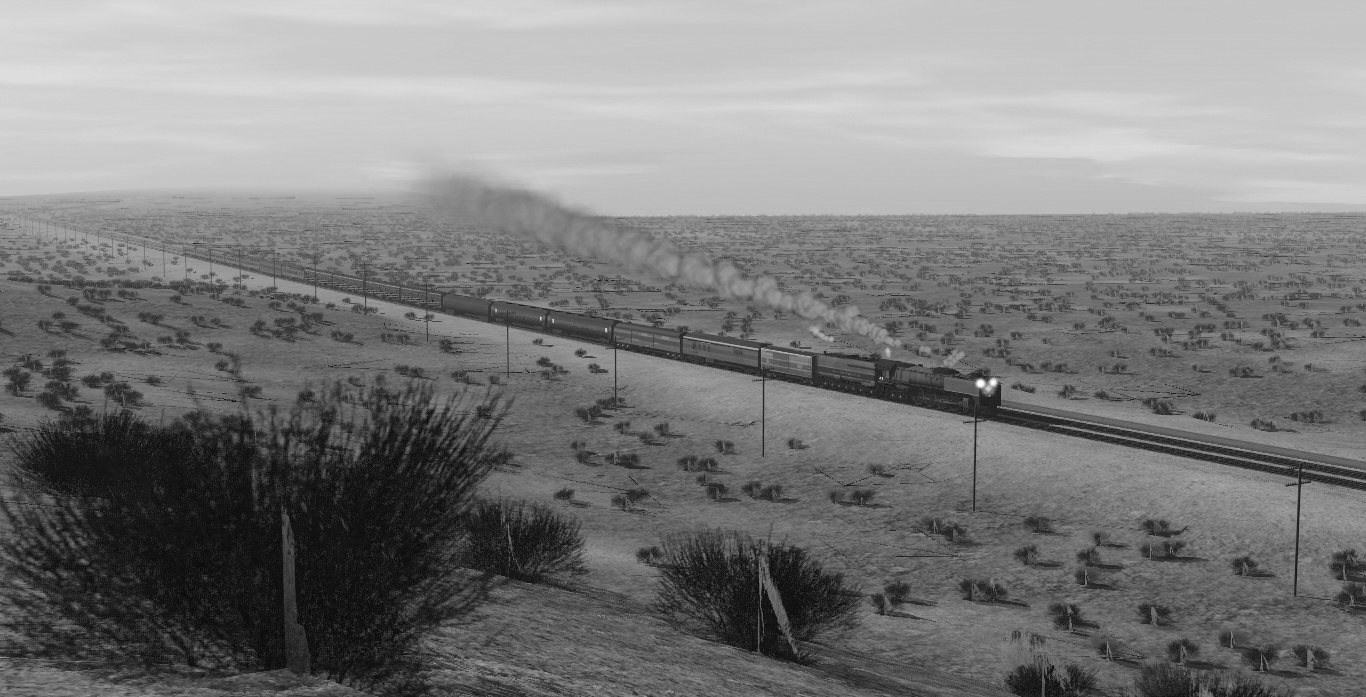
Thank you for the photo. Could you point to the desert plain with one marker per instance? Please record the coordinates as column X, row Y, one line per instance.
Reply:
column 1163, row 308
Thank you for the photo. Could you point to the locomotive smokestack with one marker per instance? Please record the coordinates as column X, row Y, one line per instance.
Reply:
column 535, row 216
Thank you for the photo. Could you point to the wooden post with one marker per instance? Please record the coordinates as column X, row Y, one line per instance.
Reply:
column 296, row 641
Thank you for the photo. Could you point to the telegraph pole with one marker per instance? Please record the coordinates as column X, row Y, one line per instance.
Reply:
column 1299, row 493
column 974, row 451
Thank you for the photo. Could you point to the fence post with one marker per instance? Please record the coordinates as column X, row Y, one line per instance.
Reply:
column 296, row 641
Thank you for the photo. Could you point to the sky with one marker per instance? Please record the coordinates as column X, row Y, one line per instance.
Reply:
column 656, row 107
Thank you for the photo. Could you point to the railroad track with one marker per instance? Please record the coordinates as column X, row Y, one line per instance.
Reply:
column 1281, row 461
column 1316, row 468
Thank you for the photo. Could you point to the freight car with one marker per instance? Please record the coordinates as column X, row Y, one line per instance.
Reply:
column 936, row 387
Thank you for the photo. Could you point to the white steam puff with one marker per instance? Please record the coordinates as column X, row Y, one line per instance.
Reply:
column 816, row 332
column 953, row 358
column 529, row 214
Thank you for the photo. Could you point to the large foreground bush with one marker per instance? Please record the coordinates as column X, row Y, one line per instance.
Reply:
column 174, row 551
column 1167, row 680
column 711, row 578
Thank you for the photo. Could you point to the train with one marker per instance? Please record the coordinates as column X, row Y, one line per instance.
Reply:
column 974, row 392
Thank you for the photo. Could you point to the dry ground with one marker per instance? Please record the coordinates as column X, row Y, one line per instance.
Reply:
column 1085, row 485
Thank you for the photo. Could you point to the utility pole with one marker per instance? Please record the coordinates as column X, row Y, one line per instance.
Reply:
column 974, row 451
column 507, row 327
column 1299, row 493
column 763, row 411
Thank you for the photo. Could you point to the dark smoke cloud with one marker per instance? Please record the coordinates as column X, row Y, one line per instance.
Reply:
column 535, row 216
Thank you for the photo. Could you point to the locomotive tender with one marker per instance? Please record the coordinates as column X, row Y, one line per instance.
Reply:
column 888, row 379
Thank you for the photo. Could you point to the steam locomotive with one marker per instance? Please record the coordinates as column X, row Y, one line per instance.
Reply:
column 935, row 387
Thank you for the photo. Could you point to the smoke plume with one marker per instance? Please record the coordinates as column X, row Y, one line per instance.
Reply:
column 535, row 216
column 532, row 215
column 816, row 332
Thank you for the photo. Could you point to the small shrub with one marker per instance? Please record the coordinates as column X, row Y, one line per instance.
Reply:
column 565, row 494
column 879, row 603
column 712, row 577
column 1041, row 676
column 1089, row 556
column 836, row 495
column 1204, row 415
column 1182, row 649
column 649, row 555
column 772, row 492
column 1065, row 615
column 1230, row 639
column 1262, row 657
column 1245, row 566
column 861, row 497
column 1039, row 524
column 1343, row 563
column 897, row 591
column 1353, row 595
column 709, row 464
column 795, row 443
column 1156, row 615
column 1023, row 387
column 580, row 352
column 716, row 491
column 507, row 538
column 153, row 380
column 1310, row 657
column 1160, row 528
column 663, row 429
column 1028, row 555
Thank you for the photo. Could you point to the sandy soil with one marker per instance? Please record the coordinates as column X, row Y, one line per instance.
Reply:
column 1084, row 485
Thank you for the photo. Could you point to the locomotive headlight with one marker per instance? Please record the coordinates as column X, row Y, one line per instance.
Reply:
column 981, row 384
